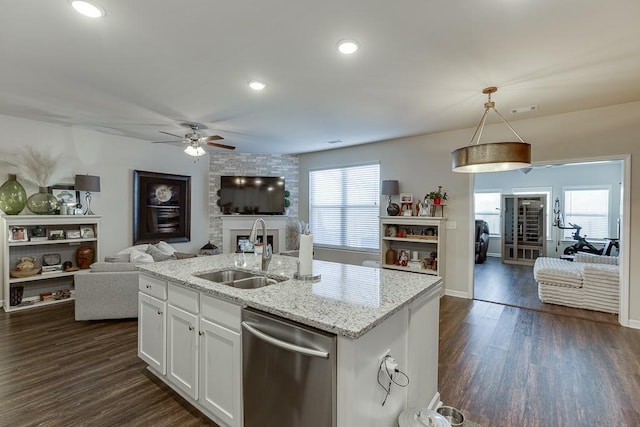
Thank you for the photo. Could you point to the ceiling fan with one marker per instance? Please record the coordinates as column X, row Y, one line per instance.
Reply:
column 196, row 140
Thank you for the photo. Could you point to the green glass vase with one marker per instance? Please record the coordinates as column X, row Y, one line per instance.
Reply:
column 13, row 198
column 42, row 203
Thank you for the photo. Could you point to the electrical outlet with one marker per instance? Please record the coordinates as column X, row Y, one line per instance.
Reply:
column 382, row 356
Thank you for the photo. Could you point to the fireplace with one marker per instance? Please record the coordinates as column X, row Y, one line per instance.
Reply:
column 238, row 227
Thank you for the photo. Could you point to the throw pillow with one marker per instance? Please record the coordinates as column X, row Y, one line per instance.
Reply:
column 184, row 255
column 159, row 255
column 140, row 248
column 165, row 248
column 137, row 256
column 117, row 258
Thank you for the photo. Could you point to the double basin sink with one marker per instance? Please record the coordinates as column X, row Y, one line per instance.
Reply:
column 240, row 279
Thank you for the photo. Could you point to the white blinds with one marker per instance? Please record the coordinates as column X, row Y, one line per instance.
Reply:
column 344, row 205
column 588, row 208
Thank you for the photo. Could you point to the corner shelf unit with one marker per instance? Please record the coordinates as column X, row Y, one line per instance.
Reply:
column 424, row 235
column 12, row 251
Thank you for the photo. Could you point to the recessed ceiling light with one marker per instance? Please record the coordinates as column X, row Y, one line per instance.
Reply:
column 348, row 46
column 86, row 8
column 256, row 85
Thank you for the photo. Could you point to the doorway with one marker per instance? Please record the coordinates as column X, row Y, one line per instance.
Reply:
column 509, row 284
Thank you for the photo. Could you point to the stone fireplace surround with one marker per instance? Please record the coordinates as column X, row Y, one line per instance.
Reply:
column 240, row 225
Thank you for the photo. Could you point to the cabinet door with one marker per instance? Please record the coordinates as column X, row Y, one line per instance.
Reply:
column 220, row 387
column 182, row 359
column 152, row 328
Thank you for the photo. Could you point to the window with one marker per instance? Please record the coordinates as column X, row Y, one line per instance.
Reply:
column 344, row 206
column 587, row 207
column 539, row 190
column 487, row 207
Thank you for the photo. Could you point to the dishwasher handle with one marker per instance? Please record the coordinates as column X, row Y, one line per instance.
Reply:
column 283, row 344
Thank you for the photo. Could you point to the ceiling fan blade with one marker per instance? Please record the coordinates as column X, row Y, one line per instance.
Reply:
column 172, row 134
column 212, row 138
column 166, row 142
column 215, row 144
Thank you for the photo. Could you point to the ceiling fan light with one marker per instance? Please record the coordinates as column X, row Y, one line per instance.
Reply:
column 89, row 9
column 195, row 151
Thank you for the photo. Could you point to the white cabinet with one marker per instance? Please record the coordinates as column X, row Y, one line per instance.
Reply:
column 220, row 360
column 420, row 239
column 152, row 326
column 182, row 349
column 19, row 240
column 199, row 335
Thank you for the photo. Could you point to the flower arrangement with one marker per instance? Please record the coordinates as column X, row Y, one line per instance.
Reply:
column 40, row 168
column 439, row 194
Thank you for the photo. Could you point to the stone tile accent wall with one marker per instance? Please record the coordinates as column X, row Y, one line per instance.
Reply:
column 249, row 164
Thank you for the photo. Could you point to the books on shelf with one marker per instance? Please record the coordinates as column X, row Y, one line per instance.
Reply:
column 39, row 239
column 51, row 268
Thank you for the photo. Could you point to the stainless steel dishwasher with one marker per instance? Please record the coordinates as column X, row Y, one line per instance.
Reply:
column 288, row 373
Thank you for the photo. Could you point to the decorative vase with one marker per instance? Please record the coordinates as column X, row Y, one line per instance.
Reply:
column 393, row 209
column 390, row 257
column 85, row 256
column 437, row 202
column 13, row 198
column 42, row 203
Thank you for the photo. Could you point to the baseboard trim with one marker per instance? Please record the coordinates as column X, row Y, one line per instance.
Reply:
column 457, row 294
column 635, row 324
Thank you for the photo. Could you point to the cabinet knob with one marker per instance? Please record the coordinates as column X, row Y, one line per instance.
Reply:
column 200, row 333
column 148, row 286
column 191, row 328
column 159, row 312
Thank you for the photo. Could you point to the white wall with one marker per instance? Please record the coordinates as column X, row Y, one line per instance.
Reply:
column 422, row 162
column 114, row 159
column 557, row 177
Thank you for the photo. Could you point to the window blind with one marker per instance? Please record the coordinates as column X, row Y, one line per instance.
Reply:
column 588, row 208
column 344, row 205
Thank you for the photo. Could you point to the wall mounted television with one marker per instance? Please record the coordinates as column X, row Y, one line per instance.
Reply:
column 251, row 195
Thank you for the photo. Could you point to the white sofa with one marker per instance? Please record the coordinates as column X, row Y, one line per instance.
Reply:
column 590, row 281
column 109, row 290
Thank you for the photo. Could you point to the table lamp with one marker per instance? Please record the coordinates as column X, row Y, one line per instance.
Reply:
column 88, row 183
column 391, row 188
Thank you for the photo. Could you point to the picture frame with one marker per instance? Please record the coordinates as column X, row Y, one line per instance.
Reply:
column 86, row 232
column 56, row 234
column 74, row 234
column 161, row 207
column 65, row 194
column 18, row 233
column 406, row 197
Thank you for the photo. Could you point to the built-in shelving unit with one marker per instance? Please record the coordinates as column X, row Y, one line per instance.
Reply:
column 13, row 249
column 421, row 239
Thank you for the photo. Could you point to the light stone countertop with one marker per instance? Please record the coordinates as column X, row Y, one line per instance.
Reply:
column 349, row 300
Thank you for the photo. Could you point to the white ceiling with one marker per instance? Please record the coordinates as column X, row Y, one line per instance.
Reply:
column 152, row 64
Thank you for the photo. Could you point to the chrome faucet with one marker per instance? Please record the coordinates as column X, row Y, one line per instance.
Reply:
column 266, row 248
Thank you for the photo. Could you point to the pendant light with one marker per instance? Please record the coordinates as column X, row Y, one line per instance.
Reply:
column 494, row 156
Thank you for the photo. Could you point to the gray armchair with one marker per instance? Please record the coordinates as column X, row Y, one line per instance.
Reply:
column 108, row 291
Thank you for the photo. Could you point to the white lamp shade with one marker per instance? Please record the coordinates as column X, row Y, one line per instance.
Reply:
column 195, row 151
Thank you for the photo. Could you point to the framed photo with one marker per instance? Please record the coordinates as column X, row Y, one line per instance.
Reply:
column 161, row 207
column 56, row 235
column 73, row 234
column 18, row 234
column 65, row 194
column 86, row 232
column 406, row 198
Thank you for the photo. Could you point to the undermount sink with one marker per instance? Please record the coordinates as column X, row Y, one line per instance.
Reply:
column 240, row 279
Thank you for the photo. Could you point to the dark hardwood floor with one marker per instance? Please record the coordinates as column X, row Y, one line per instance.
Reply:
column 503, row 366
column 507, row 366
column 55, row 371
column 514, row 285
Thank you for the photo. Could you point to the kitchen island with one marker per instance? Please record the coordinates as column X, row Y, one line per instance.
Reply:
column 371, row 312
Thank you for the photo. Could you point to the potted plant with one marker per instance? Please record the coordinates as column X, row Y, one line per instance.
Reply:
column 437, row 196
column 287, row 202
